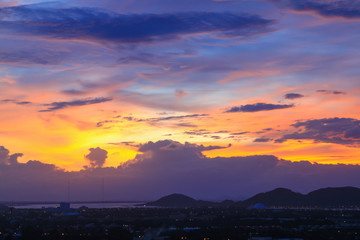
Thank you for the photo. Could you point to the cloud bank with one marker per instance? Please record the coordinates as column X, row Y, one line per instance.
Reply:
column 166, row 167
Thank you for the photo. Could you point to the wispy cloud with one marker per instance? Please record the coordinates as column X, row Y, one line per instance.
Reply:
column 60, row 105
column 335, row 92
column 256, row 107
column 25, row 57
column 159, row 119
column 15, row 101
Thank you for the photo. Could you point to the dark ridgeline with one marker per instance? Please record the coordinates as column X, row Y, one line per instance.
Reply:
column 276, row 197
column 179, row 200
column 280, row 197
column 346, row 196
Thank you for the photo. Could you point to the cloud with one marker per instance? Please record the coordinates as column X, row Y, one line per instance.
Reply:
column 74, row 92
column 198, row 132
column 206, row 133
column 330, row 92
column 170, row 165
column 169, row 145
column 258, row 107
column 129, row 144
column 186, row 125
column 334, row 8
column 159, row 119
column 176, row 117
column 23, row 103
column 5, row 158
column 15, row 101
column 7, row 80
column 97, row 157
column 239, row 133
column 144, row 58
column 179, row 93
column 262, row 140
column 81, row 102
column 100, row 124
column 329, row 130
column 96, row 25
column 293, row 96
column 166, row 167
column 41, row 57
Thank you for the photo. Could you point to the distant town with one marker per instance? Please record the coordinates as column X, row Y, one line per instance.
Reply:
column 181, row 217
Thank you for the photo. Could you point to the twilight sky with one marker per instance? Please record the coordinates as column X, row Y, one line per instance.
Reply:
column 211, row 98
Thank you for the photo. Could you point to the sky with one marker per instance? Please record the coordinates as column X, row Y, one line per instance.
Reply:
column 211, row 98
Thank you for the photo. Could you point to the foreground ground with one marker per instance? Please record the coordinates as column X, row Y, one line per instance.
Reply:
column 175, row 223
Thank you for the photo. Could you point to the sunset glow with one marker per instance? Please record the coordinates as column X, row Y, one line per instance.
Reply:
column 245, row 77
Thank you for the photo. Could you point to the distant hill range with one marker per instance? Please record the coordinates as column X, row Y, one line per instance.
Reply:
column 280, row 197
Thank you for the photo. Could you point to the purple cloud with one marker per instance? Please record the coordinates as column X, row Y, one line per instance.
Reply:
column 82, row 102
column 165, row 167
column 329, row 130
column 258, row 107
column 293, row 96
column 330, row 92
column 5, row 158
column 97, row 157
column 92, row 24
column 262, row 140
column 25, row 57
column 341, row 8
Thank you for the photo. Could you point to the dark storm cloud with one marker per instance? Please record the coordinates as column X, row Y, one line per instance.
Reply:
column 92, row 24
column 293, row 96
column 329, row 130
column 342, row 8
column 330, row 92
column 60, row 105
column 97, row 157
column 258, row 107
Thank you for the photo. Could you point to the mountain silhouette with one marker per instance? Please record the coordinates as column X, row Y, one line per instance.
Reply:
column 279, row 197
column 179, row 200
column 335, row 197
